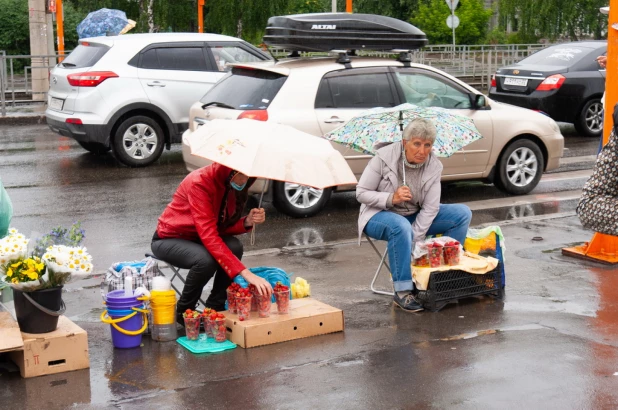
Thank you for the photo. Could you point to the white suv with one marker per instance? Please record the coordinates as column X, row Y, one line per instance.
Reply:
column 132, row 93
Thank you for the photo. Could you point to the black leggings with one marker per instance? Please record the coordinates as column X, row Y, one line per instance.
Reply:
column 202, row 266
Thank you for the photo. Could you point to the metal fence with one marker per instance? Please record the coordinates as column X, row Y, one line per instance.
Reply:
column 473, row 64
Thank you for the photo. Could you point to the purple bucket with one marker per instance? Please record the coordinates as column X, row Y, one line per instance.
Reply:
column 119, row 339
column 116, row 300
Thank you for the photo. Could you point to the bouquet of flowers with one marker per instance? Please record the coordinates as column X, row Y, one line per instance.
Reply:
column 29, row 271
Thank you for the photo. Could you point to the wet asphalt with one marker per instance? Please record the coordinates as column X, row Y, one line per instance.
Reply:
column 551, row 343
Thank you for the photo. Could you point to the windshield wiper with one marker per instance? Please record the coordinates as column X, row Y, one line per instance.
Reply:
column 68, row 64
column 218, row 104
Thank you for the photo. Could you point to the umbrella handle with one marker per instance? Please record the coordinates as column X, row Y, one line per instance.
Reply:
column 259, row 206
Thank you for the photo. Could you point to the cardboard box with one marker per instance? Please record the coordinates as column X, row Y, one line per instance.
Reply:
column 307, row 317
column 10, row 336
column 62, row 350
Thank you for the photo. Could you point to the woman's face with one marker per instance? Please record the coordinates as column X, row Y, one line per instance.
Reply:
column 240, row 179
column 417, row 150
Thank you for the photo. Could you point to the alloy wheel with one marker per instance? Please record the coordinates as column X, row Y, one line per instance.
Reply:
column 302, row 196
column 594, row 117
column 140, row 141
column 522, row 166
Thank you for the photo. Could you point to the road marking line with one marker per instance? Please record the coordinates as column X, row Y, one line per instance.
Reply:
column 561, row 176
column 575, row 160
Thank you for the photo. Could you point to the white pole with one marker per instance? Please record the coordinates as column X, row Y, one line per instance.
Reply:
column 334, row 3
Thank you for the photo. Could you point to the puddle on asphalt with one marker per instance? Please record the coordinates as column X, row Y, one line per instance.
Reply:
column 465, row 336
column 559, row 306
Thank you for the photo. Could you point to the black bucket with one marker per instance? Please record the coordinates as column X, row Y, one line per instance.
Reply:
column 38, row 311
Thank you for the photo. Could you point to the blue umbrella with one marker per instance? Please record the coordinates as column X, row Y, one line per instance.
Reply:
column 103, row 22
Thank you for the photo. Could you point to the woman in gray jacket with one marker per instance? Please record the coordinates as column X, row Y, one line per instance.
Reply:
column 399, row 193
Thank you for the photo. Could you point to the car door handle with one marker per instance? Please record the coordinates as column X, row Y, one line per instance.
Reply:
column 155, row 84
column 334, row 120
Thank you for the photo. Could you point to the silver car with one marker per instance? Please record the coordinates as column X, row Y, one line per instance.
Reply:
column 317, row 95
column 132, row 93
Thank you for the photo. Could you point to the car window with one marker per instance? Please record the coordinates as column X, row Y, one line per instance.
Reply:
column 149, row 60
column 182, row 58
column 564, row 55
column 427, row 91
column 355, row 91
column 232, row 54
column 85, row 55
column 246, row 89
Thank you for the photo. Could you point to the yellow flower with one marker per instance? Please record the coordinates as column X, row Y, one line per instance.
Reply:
column 32, row 275
column 40, row 266
column 16, row 265
column 9, row 272
column 14, row 280
column 72, row 266
column 80, row 251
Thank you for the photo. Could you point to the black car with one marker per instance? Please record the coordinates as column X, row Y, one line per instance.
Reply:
column 562, row 81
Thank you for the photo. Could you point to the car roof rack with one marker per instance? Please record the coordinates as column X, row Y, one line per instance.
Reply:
column 325, row 32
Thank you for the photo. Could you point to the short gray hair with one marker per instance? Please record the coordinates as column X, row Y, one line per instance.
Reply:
column 420, row 128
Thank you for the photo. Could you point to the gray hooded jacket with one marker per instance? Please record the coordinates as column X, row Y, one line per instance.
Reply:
column 379, row 181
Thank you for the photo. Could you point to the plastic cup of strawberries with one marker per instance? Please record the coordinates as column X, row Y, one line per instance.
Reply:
column 422, row 261
column 206, row 320
column 217, row 324
column 243, row 299
column 264, row 303
column 231, row 300
column 192, row 323
column 435, row 255
column 282, row 297
column 451, row 253
column 254, row 302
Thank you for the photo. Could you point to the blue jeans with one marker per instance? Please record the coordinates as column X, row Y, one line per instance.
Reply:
column 452, row 220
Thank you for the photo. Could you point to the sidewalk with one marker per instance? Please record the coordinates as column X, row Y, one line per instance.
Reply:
column 24, row 115
column 552, row 343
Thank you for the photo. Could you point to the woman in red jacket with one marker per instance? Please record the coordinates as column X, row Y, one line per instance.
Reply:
column 196, row 232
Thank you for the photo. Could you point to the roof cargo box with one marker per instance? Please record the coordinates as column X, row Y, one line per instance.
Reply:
column 342, row 31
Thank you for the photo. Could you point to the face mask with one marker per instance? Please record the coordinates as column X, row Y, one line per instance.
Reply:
column 236, row 186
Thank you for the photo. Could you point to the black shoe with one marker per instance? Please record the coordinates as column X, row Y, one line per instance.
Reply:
column 407, row 303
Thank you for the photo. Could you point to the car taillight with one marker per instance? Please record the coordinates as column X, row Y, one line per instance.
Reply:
column 493, row 80
column 76, row 121
column 90, row 79
column 553, row 82
column 258, row 115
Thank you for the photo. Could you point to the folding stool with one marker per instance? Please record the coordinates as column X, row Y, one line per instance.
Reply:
column 383, row 263
column 177, row 274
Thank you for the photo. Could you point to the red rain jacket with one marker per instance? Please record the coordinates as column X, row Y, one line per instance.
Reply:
column 194, row 211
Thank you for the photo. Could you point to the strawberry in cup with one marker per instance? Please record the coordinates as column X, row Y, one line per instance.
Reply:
column 282, row 297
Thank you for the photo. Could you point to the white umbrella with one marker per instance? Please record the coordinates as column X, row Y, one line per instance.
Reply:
column 272, row 151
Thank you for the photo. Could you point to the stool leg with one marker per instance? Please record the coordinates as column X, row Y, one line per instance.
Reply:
column 179, row 276
column 375, row 277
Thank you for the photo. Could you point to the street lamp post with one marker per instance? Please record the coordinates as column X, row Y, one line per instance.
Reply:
column 200, row 15
column 60, row 29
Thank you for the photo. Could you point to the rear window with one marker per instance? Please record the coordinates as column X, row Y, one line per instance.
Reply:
column 85, row 56
column 246, row 89
column 558, row 56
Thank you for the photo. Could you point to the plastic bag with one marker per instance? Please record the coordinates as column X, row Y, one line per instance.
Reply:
column 6, row 211
column 142, row 272
column 487, row 242
column 430, row 253
column 272, row 275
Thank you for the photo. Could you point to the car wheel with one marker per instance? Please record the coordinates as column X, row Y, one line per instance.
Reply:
column 95, row 148
column 138, row 141
column 520, row 167
column 299, row 200
column 590, row 120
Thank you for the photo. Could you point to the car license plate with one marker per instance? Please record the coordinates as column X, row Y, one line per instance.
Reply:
column 56, row 103
column 521, row 82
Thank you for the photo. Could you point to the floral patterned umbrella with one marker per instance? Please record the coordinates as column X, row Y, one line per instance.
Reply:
column 103, row 22
column 368, row 130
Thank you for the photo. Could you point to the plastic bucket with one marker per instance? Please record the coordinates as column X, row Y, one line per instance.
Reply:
column 163, row 307
column 126, row 326
column 38, row 311
column 118, row 296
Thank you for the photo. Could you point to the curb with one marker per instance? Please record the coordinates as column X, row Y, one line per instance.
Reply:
column 529, row 219
column 23, row 120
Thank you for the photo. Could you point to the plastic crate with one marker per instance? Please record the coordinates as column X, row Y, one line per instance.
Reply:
column 452, row 285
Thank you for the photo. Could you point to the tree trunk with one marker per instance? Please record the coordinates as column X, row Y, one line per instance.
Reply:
column 239, row 28
column 151, row 27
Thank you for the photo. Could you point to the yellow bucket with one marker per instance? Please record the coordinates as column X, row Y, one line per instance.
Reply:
column 163, row 307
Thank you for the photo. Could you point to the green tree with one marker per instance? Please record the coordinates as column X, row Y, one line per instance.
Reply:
column 554, row 18
column 474, row 18
column 14, row 27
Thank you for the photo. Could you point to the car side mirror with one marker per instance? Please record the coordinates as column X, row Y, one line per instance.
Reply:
column 479, row 102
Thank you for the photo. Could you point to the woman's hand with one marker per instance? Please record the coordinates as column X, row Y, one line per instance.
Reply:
column 602, row 60
column 256, row 216
column 402, row 194
column 262, row 285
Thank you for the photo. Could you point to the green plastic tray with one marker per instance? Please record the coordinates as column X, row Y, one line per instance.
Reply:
column 204, row 345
